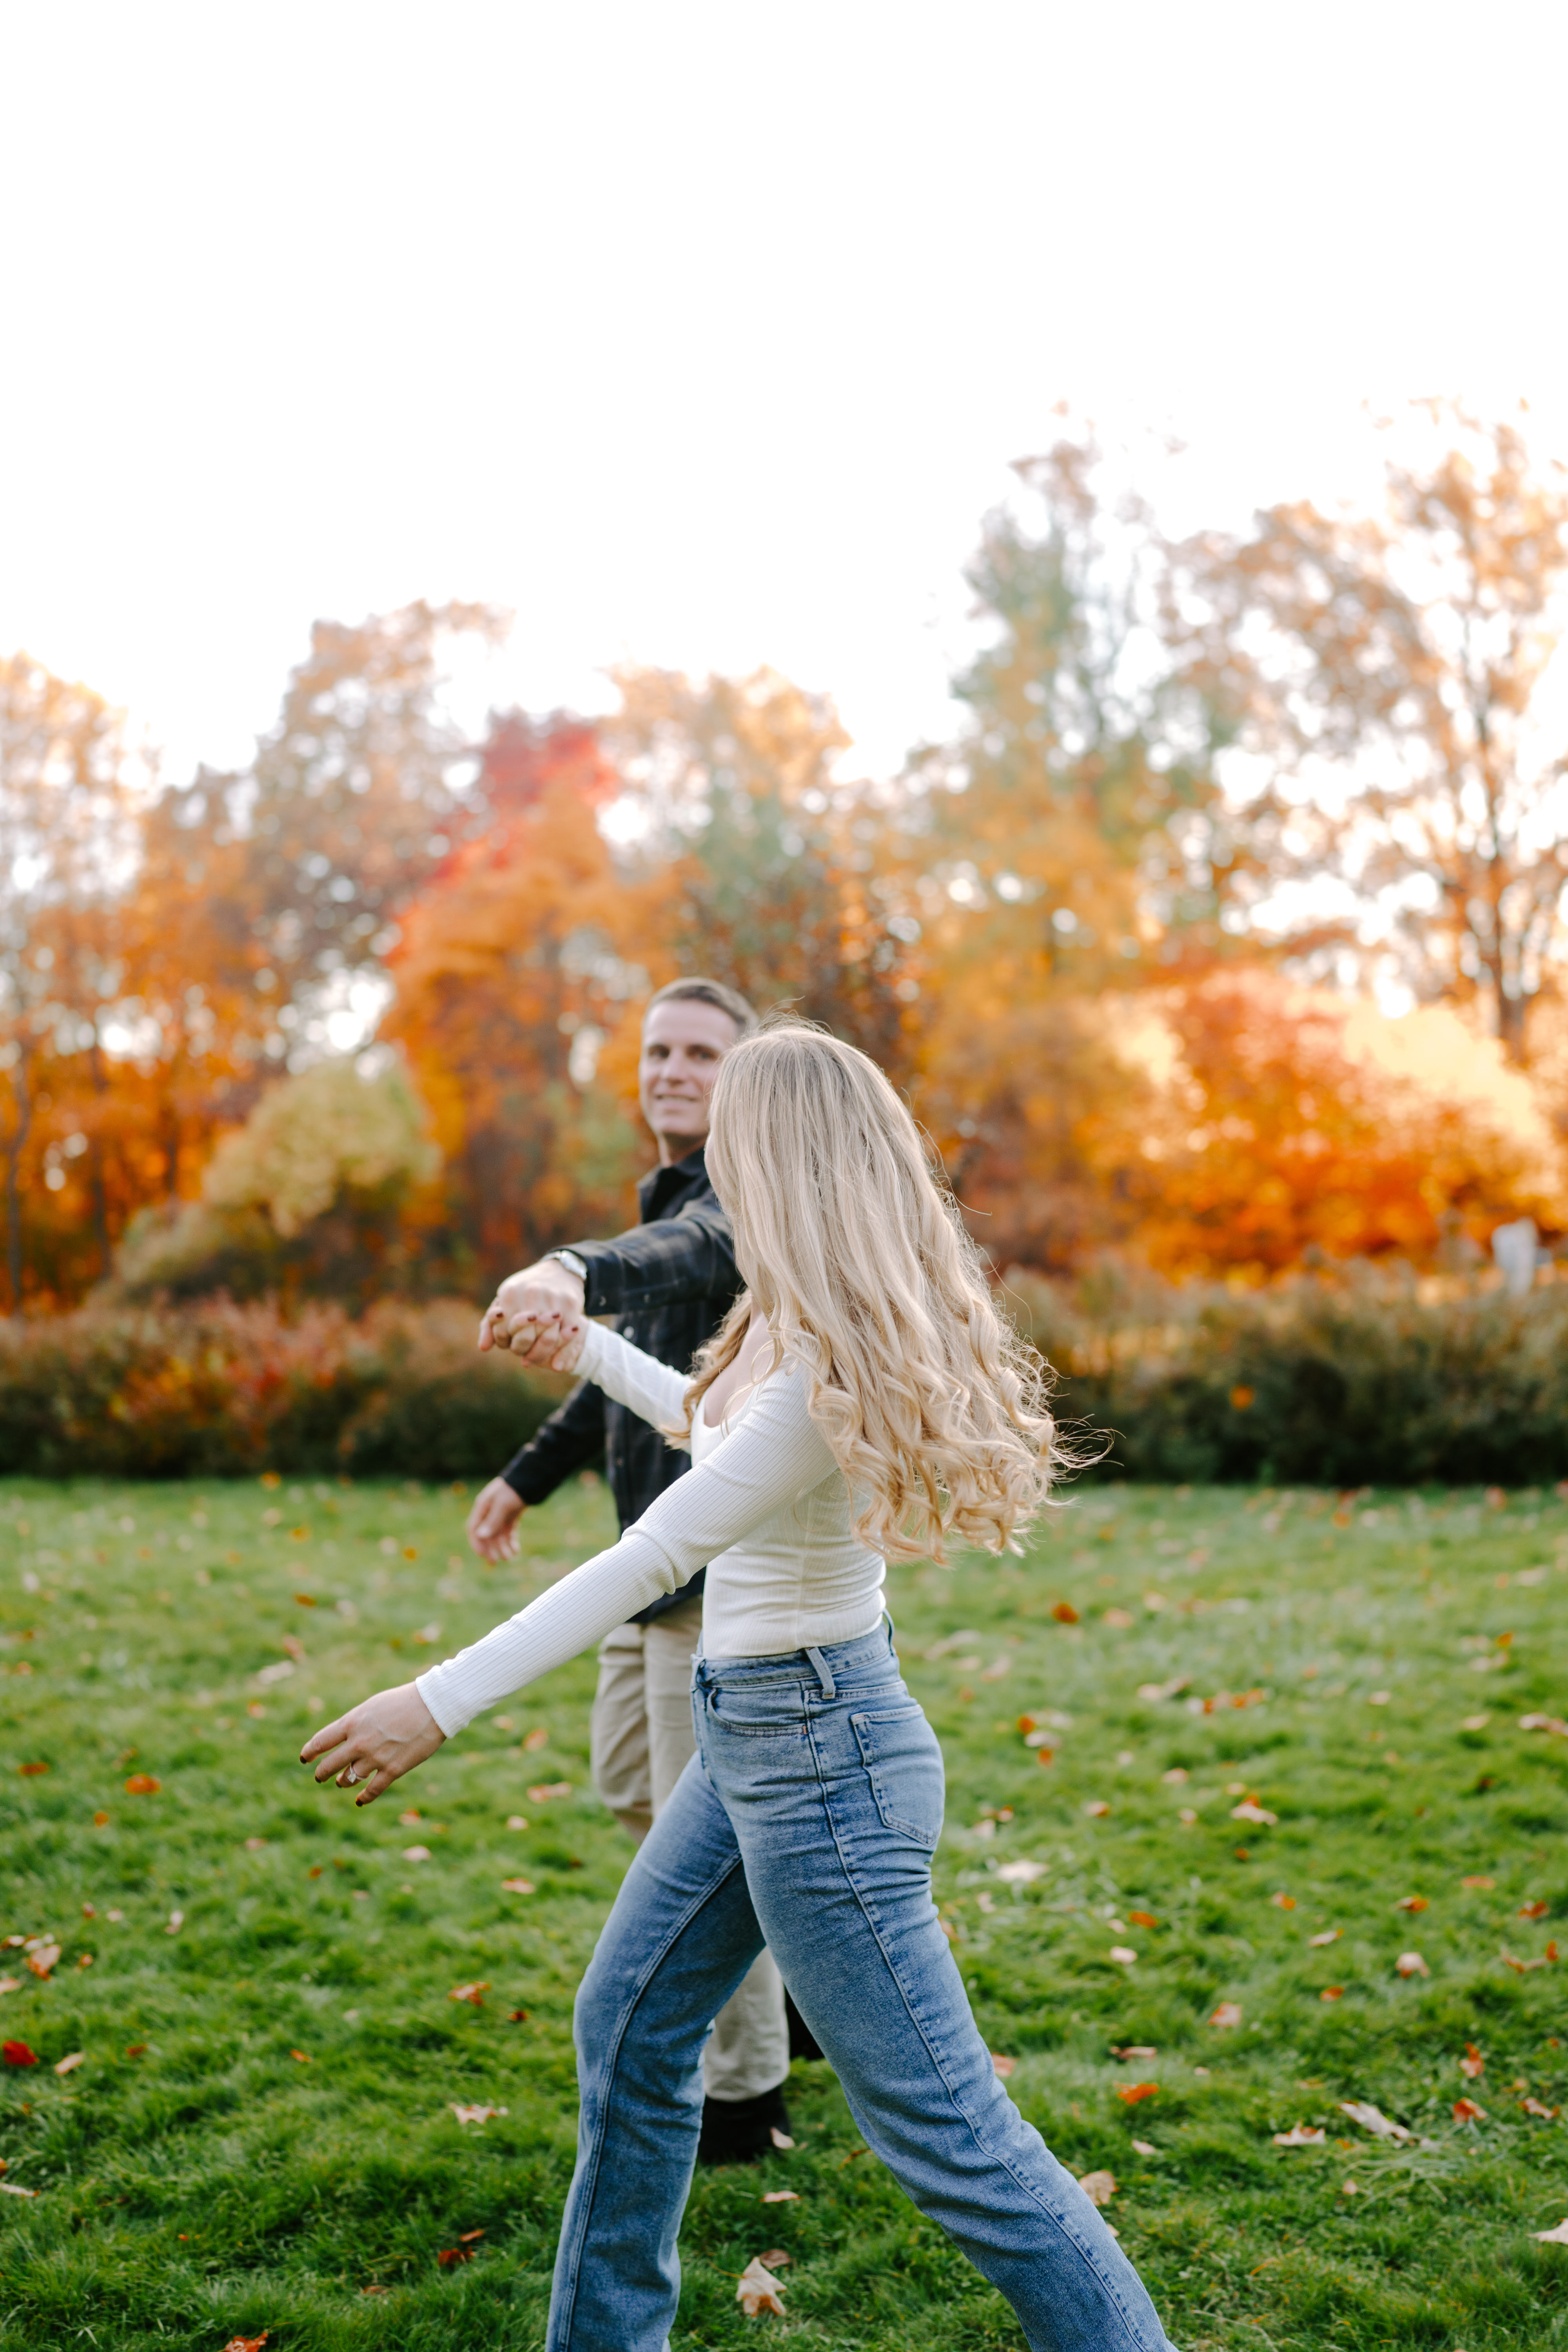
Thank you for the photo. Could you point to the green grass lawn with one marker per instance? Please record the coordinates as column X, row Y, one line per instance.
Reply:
column 260, row 2135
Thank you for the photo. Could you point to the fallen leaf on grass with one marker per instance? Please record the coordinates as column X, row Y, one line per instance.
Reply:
column 69, row 2065
column 470, row 1992
column 1228, row 2014
column 248, row 2343
column 1135, row 2050
column 1372, row 2119
column 1474, row 1722
column 1350, row 2189
column 517, row 1885
column 410, row 1819
column 15, row 2188
column 1522, row 1968
column 1142, row 1919
column 1413, row 1902
column 1552, row 1723
column 775, row 2258
column 29, row 1771
column 1329, row 1936
column 780, row 2139
column 1467, row 2112
column 1172, row 1689
column 1558, row 2237
column 1123, row 1955
column 1020, row 1874
column 1299, row 2135
column 780, row 2196
column 1131, row 2093
column 516, row 1821
column 143, row 1784
column 759, row 2290
column 1065, row 1613
column 517, row 2017
column 1535, row 2107
column 1248, row 1812
column 1099, row 2188
column 416, row 1853
column 303, row 2057
column 1472, row 2065
column 176, row 1920
column 1177, row 1777
column 465, row 2237
column 1411, row 1964
column 1003, row 2066
column 474, row 2114
column 547, row 1790
column 1533, row 1910
column 44, row 1959
column 1145, row 2148
column 16, row 2054
column 10, row 1984
column 450, row 2256
column 1332, row 1993
column 1096, row 1809
column 1283, row 1902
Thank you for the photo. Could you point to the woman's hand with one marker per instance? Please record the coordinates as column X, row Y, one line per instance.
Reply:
column 553, row 1340
column 376, row 1743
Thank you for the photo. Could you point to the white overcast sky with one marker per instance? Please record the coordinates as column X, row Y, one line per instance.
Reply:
column 702, row 334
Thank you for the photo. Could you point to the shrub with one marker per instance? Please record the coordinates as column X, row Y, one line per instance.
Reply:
column 217, row 1389
column 1363, row 1380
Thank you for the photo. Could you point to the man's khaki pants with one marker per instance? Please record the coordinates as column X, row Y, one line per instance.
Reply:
column 641, row 1740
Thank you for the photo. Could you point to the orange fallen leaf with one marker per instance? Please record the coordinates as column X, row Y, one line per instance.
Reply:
column 303, row 2057
column 1142, row 1919
column 1299, row 2135
column 29, row 1770
column 1413, row 1902
column 100, row 1821
column 1467, row 2112
column 467, row 2237
column 470, row 1992
column 248, row 2343
column 1472, row 2065
column 16, row 2054
column 475, row 2114
column 1535, row 2107
column 538, row 1737
column 1533, row 1910
column 1096, row 1809
column 1332, row 1993
column 44, row 1959
column 1129, row 2093
column 517, row 2017
column 1283, row 1902
column 410, row 1819
column 1099, row 2188
column 1134, row 2050
column 1228, row 2014
column 1065, row 1613
column 450, row 2256
column 517, row 1885
column 143, row 1784
column 759, row 2291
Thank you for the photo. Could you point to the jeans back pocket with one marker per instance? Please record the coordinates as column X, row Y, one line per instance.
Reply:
column 903, row 1763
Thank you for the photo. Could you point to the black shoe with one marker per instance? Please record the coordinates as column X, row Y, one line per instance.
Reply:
column 738, row 2131
column 803, row 2041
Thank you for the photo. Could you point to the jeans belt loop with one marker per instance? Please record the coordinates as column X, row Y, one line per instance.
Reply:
column 824, row 1674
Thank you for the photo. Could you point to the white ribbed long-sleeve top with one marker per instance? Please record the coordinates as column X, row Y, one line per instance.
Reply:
column 764, row 1509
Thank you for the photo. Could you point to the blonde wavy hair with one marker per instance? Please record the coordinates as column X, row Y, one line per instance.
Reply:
column 932, row 1404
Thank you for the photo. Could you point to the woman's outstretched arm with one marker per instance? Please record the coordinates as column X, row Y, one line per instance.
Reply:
column 775, row 1453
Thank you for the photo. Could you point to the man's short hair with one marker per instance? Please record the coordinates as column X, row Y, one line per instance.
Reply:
column 707, row 992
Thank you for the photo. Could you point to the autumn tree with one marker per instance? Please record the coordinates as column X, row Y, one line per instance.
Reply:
column 527, row 954
column 782, row 888
column 1389, row 667
column 67, row 845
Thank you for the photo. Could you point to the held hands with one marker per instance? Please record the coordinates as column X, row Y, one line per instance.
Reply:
column 376, row 1743
column 529, row 1311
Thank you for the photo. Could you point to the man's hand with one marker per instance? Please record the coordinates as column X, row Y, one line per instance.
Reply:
column 492, row 1522
column 546, row 1292
column 376, row 1743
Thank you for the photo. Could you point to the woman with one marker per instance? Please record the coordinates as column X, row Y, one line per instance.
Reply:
column 862, row 1400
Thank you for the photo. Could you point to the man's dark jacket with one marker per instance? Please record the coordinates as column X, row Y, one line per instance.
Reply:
column 669, row 1282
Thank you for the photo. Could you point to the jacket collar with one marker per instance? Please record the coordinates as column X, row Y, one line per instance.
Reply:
column 663, row 1187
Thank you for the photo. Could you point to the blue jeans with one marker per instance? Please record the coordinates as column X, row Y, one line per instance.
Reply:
column 807, row 1820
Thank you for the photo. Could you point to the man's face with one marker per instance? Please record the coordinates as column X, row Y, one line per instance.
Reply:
column 683, row 1043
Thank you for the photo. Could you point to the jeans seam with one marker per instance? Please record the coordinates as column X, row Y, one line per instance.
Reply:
column 992, row 2155
column 624, row 2018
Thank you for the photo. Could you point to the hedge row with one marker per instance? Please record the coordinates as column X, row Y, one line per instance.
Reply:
column 220, row 1390
column 1323, row 1384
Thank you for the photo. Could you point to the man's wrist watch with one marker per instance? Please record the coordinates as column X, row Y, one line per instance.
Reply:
column 572, row 1264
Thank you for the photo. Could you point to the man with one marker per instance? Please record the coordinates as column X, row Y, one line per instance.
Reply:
column 669, row 1282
